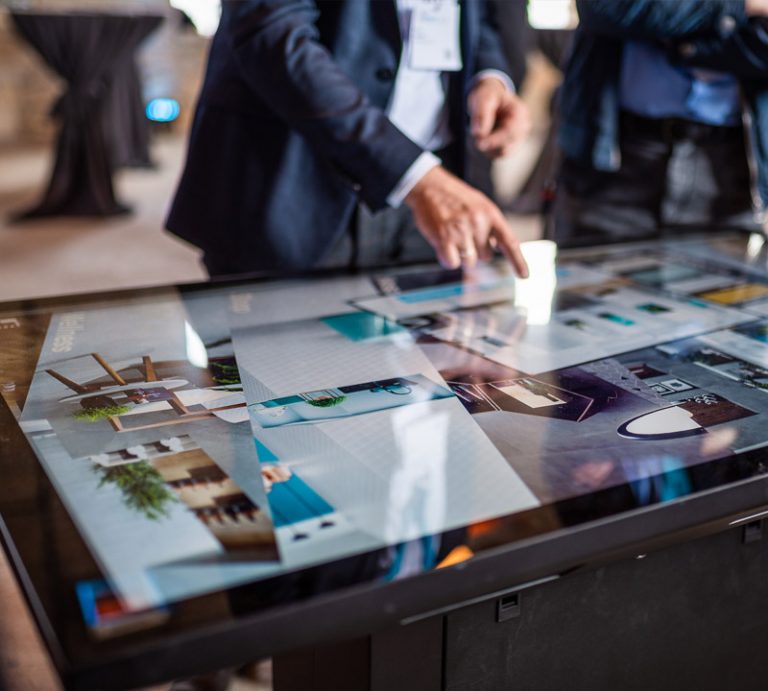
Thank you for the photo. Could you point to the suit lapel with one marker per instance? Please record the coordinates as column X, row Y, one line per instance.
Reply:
column 384, row 15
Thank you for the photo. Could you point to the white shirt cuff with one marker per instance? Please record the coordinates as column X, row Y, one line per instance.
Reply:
column 496, row 74
column 419, row 168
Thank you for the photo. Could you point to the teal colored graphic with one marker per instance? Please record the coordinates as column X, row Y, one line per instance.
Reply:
column 294, row 501
column 361, row 326
column 653, row 308
column 291, row 500
column 450, row 291
column 264, row 454
column 616, row 319
column 757, row 331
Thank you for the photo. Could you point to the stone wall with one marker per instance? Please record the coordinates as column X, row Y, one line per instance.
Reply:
column 27, row 91
column 172, row 61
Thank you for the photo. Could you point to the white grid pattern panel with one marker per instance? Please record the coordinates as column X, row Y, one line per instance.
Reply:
column 396, row 474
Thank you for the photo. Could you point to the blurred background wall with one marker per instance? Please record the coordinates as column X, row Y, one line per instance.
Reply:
column 171, row 61
column 59, row 255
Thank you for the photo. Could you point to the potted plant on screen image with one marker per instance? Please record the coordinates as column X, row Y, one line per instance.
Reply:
column 224, row 372
column 143, row 488
column 95, row 408
column 328, row 402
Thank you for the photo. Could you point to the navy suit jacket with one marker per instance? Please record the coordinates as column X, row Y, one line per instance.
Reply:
column 290, row 130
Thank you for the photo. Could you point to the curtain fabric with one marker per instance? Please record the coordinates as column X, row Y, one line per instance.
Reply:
column 93, row 53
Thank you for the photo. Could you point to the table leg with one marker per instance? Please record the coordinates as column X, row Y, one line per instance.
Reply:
column 108, row 369
column 149, row 369
column 77, row 388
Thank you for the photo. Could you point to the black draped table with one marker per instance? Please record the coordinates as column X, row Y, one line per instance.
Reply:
column 100, row 113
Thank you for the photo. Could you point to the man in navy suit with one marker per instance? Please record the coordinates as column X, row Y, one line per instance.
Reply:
column 302, row 128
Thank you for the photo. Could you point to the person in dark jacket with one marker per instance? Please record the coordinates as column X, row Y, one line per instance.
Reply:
column 302, row 130
column 653, row 107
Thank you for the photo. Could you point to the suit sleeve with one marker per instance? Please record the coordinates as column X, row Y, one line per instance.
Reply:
column 744, row 53
column 660, row 19
column 490, row 51
column 276, row 47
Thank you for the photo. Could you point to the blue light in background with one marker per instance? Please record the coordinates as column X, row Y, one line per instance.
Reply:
column 163, row 109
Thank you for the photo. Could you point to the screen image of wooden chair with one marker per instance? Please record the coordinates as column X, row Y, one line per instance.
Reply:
column 147, row 367
column 149, row 380
column 119, row 387
column 91, row 388
column 184, row 414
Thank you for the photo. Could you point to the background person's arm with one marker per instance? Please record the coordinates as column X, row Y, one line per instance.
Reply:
column 499, row 119
column 744, row 53
column 661, row 19
column 490, row 49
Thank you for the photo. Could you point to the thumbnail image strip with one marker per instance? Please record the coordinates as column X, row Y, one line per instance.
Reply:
column 346, row 401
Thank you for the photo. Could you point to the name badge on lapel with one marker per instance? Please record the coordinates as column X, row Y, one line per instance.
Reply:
column 434, row 36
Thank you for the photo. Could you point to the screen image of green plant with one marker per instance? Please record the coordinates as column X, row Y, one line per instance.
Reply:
column 142, row 487
column 224, row 373
column 99, row 413
column 329, row 402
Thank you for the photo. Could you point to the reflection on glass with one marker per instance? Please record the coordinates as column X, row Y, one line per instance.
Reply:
column 534, row 294
column 417, row 487
column 196, row 352
column 755, row 245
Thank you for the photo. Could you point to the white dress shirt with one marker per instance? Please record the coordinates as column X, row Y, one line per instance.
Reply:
column 418, row 106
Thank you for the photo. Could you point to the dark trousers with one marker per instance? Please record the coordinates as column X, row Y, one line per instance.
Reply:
column 674, row 176
column 389, row 237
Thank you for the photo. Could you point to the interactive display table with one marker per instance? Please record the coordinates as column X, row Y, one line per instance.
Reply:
column 198, row 476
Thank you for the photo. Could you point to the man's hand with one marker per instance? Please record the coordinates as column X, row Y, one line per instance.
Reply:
column 756, row 8
column 461, row 223
column 499, row 118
